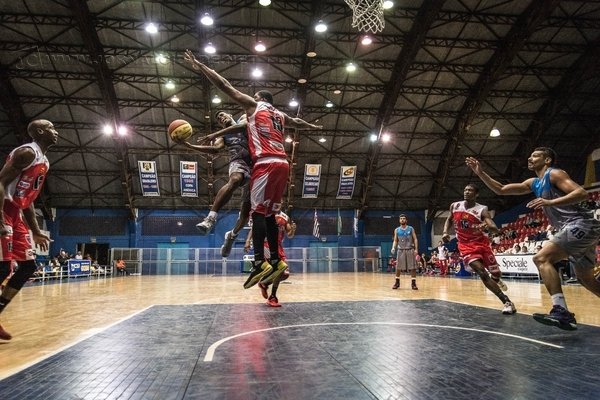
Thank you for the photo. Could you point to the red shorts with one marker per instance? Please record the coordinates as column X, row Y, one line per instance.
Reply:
column 483, row 253
column 17, row 245
column 267, row 185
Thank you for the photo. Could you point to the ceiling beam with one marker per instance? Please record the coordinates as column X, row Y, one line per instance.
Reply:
column 85, row 22
column 415, row 37
column 498, row 64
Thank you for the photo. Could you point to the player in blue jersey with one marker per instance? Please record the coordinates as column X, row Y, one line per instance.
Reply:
column 406, row 249
column 562, row 200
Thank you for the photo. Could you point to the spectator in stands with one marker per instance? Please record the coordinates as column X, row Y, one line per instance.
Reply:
column 62, row 257
column 78, row 256
column 538, row 248
column 121, row 267
column 516, row 249
column 524, row 250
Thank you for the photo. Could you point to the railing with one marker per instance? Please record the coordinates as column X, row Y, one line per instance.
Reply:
column 195, row 261
column 44, row 275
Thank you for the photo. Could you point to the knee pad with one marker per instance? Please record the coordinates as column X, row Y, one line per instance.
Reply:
column 22, row 274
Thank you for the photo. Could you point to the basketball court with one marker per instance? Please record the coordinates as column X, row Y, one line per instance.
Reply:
column 336, row 336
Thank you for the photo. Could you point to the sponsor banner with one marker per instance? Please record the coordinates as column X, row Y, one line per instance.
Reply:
column 148, row 178
column 188, row 174
column 517, row 264
column 312, row 177
column 347, row 181
column 79, row 267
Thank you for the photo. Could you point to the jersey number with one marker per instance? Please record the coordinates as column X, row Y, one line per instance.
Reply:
column 578, row 233
column 277, row 123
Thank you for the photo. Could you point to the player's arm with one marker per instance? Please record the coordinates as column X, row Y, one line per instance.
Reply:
column 215, row 148
column 247, row 102
column 299, row 123
column 11, row 171
column 38, row 237
column 415, row 241
column 497, row 187
column 394, row 242
column 447, row 226
column 290, row 229
column 573, row 192
column 488, row 223
column 248, row 243
column 237, row 128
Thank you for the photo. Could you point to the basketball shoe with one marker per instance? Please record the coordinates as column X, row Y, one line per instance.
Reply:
column 559, row 317
column 258, row 273
column 228, row 243
column 263, row 290
column 413, row 286
column 277, row 271
column 509, row 308
column 206, row 226
column 273, row 302
column 396, row 284
column 4, row 335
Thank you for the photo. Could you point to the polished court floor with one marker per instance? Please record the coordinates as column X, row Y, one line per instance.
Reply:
column 337, row 336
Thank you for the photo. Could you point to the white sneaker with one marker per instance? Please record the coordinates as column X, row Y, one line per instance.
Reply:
column 227, row 243
column 502, row 285
column 509, row 308
column 206, row 226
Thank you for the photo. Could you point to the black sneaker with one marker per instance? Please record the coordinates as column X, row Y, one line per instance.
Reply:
column 397, row 284
column 559, row 317
column 413, row 286
column 258, row 273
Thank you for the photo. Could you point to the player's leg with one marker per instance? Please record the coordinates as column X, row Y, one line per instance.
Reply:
column 223, row 196
column 477, row 265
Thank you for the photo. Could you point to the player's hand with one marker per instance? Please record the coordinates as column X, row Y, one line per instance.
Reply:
column 445, row 238
column 474, row 164
column 41, row 240
column 247, row 247
column 393, row 252
column 538, row 203
column 205, row 140
column 191, row 58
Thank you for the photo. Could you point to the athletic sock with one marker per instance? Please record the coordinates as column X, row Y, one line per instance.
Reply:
column 213, row 214
column 558, row 299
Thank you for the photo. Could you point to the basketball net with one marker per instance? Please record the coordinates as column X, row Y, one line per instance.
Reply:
column 367, row 15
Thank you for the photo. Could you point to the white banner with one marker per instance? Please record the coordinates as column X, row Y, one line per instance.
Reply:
column 312, row 177
column 148, row 178
column 517, row 264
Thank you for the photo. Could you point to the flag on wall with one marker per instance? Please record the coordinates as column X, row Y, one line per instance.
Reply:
column 355, row 225
column 316, row 231
column 339, row 223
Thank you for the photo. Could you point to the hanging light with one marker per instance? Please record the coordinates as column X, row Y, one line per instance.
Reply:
column 122, row 130
column 311, row 54
column 264, row 3
column 206, row 20
column 366, row 40
column 322, row 140
column 387, row 4
column 329, row 104
column 350, row 67
column 257, row 72
column 494, row 132
column 293, row 103
column 320, row 27
column 301, row 80
column 337, row 91
column 289, row 139
column 385, row 137
column 175, row 99
column 161, row 59
column 107, row 129
column 151, row 28
column 216, row 99
column 210, row 49
column 260, row 46
column 170, row 85
column 373, row 137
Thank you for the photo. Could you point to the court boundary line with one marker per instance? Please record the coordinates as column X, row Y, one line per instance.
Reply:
column 213, row 347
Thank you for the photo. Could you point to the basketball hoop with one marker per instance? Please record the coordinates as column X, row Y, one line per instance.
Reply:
column 367, row 15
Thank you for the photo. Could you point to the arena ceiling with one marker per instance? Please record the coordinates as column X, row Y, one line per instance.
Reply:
column 437, row 79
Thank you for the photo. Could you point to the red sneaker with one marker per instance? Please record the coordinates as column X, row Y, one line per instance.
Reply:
column 263, row 290
column 273, row 302
column 4, row 335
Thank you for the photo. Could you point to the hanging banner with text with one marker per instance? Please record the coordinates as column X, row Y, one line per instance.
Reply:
column 188, row 178
column 347, row 181
column 148, row 178
column 312, row 177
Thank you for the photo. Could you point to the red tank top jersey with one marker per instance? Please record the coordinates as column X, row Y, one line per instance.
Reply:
column 25, row 188
column 465, row 222
column 265, row 132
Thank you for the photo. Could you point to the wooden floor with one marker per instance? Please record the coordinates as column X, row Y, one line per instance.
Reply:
column 46, row 318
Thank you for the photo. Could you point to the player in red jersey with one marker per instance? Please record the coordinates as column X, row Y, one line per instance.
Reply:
column 286, row 228
column 21, row 180
column 471, row 220
column 270, row 169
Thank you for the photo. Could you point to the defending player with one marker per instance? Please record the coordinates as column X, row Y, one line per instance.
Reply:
column 471, row 220
column 406, row 249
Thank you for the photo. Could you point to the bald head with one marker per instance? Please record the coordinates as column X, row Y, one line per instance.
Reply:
column 37, row 127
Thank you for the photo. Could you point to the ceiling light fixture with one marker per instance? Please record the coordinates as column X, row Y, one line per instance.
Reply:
column 216, row 99
column 175, row 99
column 373, row 137
column 151, row 28
column 293, row 103
column 301, row 80
column 320, row 27
column 366, row 40
column 329, row 104
column 311, row 54
column 107, row 129
column 264, row 3
column 122, row 130
column 170, row 85
column 337, row 91
column 495, row 132
column 257, row 72
column 387, row 4
column 260, row 47
column 322, row 140
column 289, row 139
column 386, row 137
column 210, row 49
column 161, row 59
column 206, row 20
column 350, row 67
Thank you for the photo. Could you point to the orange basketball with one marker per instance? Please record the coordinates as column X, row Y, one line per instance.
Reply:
column 180, row 130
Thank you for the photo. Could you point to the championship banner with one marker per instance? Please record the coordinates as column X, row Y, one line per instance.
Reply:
column 347, row 180
column 312, row 177
column 148, row 178
column 188, row 177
